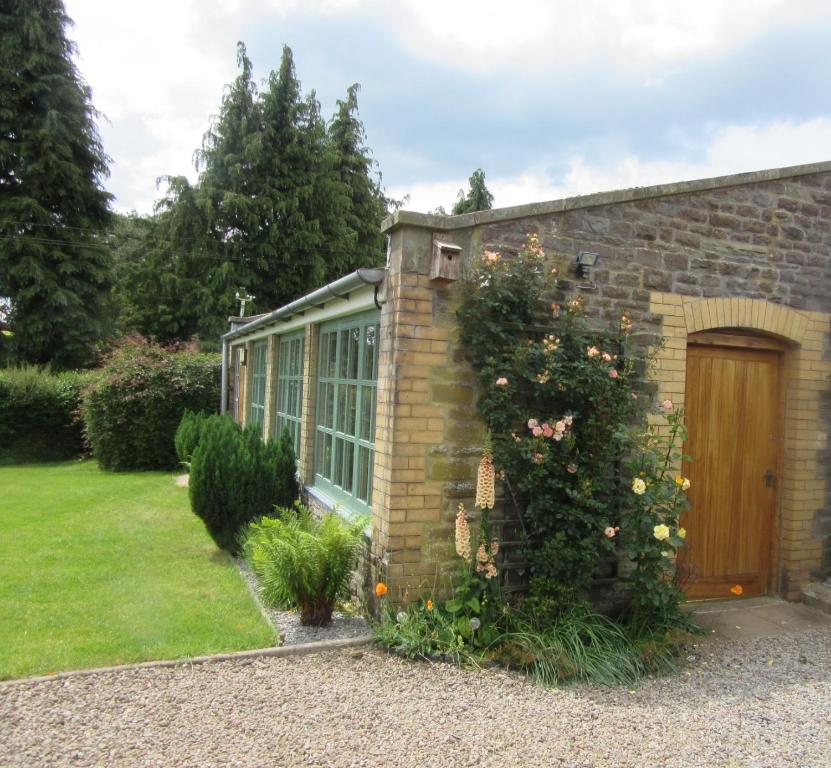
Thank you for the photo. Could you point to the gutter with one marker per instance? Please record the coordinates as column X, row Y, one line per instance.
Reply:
column 339, row 289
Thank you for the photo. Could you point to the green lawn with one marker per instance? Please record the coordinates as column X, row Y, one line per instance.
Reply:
column 98, row 568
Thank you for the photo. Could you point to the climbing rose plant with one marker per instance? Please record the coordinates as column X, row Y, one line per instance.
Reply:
column 559, row 398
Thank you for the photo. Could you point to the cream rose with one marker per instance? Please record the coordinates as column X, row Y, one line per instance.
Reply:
column 660, row 532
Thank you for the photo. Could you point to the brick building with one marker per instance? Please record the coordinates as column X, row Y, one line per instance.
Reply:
column 734, row 273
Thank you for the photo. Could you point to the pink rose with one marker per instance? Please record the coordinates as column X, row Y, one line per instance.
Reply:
column 560, row 426
column 537, row 458
column 592, row 351
column 547, row 431
column 613, row 373
column 609, row 532
column 667, row 405
column 501, row 381
column 532, row 423
column 536, row 431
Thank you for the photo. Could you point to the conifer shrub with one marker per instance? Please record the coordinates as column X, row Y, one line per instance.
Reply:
column 135, row 403
column 39, row 414
column 236, row 477
column 188, row 434
column 288, row 489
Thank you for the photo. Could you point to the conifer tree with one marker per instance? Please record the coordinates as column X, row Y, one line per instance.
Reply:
column 291, row 164
column 478, row 197
column 366, row 205
column 54, row 268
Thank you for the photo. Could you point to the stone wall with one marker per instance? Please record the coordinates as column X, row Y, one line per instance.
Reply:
column 765, row 239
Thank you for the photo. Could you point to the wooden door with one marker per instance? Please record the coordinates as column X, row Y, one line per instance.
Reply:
column 733, row 414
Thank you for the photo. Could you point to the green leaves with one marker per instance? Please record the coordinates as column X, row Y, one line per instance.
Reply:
column 477, row 198
column 284, row 204
column 53, row 208
column 302, row 561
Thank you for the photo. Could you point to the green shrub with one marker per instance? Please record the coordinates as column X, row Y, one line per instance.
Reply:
column 235, row 478
column 288, row 489
column 304, row 562
column 136, row 402
column 39, row 414
column 188, row 434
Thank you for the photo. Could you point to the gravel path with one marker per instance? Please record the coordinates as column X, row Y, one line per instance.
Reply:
column 757, row 703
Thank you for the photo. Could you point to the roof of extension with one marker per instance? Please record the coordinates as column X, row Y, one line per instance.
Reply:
column 338, row 289
column 435, row 221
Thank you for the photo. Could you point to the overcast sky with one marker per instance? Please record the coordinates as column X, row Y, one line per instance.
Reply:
column 550, row 97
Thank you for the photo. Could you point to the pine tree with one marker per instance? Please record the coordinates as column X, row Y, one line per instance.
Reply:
column 291, row 164
column 478, row 197
column 366, row 205
column 54, row 268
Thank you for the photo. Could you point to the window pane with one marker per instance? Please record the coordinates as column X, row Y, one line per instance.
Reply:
column 369, row 478
column 363, row 473
column 348, row 456
column 329, row 419
column 369, row 352
column 343, row 341
column 331, row 365
column 338, row 462
column 367, row 410
column 350, row 409
column 327, row 456
column 354, row 351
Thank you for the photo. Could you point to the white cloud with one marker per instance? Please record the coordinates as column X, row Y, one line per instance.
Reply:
column 734, row 149
column 157, row 69
column 544, row 37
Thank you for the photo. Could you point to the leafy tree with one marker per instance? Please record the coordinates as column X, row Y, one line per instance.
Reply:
column 478, row 197
column 53, row 266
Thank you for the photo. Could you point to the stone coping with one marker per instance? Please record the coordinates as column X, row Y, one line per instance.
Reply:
column 440, row 222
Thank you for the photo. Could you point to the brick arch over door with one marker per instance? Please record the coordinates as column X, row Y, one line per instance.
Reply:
column 807, row 372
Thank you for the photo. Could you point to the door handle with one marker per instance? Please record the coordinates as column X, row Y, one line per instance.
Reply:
column 770, row 479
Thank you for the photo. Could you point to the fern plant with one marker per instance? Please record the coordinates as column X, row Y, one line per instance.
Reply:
column 304, row 562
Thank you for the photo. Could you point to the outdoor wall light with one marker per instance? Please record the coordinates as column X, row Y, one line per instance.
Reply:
column 586, row 261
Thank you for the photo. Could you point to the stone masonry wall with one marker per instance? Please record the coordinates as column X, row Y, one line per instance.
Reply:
column 768, row 240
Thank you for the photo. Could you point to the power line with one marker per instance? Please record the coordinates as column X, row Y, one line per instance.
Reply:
column 131, row 236
column 112, row 247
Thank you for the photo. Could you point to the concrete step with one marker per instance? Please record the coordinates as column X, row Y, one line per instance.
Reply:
column 818, row 595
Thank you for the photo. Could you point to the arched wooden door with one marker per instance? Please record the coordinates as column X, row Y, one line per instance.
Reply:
column 734, row 418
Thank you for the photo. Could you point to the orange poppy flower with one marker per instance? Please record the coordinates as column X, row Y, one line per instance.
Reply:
column 737, row 590
column 429, row 605
column 380, row 589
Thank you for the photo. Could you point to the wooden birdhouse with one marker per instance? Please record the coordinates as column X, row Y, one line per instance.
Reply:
column 446, row 262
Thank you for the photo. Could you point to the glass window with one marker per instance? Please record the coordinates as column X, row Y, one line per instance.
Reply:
column 288, row 414
column 345, row 438
column 256, row 409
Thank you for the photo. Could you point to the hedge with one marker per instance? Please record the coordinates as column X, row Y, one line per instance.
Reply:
column 39, row 414
column 133, row 407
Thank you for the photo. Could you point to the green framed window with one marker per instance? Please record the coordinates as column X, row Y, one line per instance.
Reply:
column 288, row 412
column 256, row 407
column 346, row 391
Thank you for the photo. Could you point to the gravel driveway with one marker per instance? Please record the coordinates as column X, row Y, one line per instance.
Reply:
column 759, row 703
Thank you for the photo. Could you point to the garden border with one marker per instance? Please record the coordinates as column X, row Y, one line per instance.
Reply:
column 301, row 649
